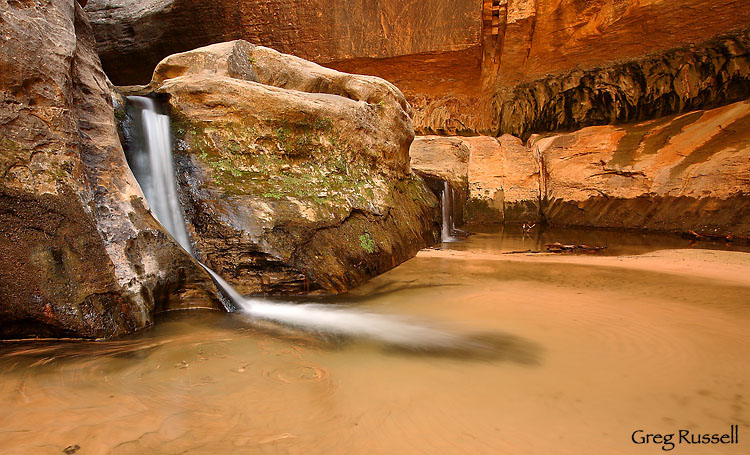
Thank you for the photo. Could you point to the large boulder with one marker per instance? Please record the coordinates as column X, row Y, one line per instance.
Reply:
column 81, row 254
column 681, row 173
column 296, row 183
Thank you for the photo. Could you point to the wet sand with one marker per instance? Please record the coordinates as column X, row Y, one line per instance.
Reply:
column 584, row 350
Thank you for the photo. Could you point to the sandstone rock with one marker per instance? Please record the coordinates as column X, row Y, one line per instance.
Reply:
column 230, row 59
column 471, row 67
column 497, row 178
column 440, row 159
column 688, row 172
column 681, row 80
column 299, row 183
column 134, row 36
column 680, row 173
column 558, row 36
column 503, row 181
column 81, row 254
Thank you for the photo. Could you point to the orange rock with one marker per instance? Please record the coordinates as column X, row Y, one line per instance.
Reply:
column 681, row 173
column 465, row 66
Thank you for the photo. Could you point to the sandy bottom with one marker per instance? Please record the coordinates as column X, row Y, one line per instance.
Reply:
column 579, row 352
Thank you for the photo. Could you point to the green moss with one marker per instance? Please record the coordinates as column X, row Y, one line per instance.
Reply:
column 367, row 243
column 305, row 160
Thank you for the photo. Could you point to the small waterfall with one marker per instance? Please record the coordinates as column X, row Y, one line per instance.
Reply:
column 155, row 171
column 447, row 206
column 153, row 168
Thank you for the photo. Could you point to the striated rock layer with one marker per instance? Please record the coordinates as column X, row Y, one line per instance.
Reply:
column 680, row 173
column 714, row 73
column 298, row 182
column 81, row 254
column 134, row 36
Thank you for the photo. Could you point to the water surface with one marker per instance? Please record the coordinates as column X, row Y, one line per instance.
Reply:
column 568, row 359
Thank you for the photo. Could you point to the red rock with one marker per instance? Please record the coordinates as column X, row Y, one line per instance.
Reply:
column 81, row 254
column 490, row 67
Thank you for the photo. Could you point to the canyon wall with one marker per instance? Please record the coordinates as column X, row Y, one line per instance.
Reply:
column 472, row 66
column 134, row 36
column 81, row 254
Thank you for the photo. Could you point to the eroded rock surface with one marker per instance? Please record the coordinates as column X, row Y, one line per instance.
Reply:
column 708, row 75
column 503, row 181
column 679, row 173
column 299, row 182
column 440, row 159
column 134, row 36
column 498, row 177
column 469, row 66
column 81, row 254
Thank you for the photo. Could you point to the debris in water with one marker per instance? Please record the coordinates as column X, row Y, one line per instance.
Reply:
column 558, row 247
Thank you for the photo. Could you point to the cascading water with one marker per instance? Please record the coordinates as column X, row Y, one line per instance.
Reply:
column 153, row 168
column 447, row 205
column 155, row 172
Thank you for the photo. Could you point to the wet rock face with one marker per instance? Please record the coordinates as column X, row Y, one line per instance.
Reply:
column 674, row 82
column 678, row 173
column 81, row 255
column 503, row 181
column 299, row 182
column 440, row 159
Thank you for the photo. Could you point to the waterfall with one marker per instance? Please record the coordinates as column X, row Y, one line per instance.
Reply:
column 447, row 206
column 157, row 176
column 153, row 167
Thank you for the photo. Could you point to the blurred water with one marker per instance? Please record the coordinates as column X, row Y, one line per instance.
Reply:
column 568, row 359
column 155, row 171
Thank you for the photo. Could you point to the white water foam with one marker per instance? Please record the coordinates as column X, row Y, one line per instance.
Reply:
column 161, row 189
column 343, row 321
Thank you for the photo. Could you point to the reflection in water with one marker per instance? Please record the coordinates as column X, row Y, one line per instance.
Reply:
column 573, row 359
column 497, row 238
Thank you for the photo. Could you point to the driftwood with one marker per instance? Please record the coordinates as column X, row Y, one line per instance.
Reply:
column 716, row 238
column 558, row 247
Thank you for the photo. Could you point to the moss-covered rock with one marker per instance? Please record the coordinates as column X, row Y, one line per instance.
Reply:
column 299, row 182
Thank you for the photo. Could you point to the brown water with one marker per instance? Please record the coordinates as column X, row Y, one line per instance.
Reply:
column 575, row 358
